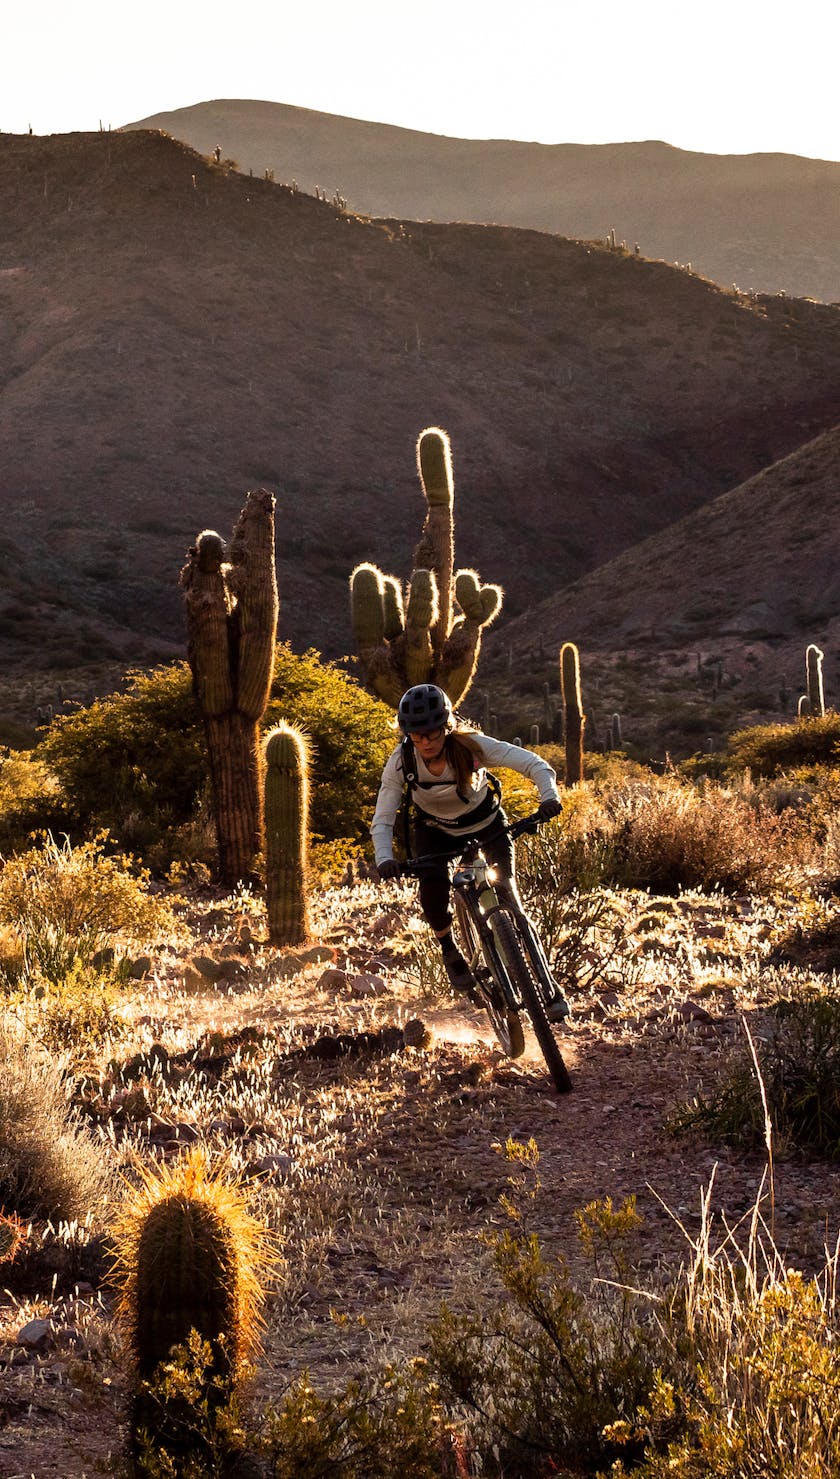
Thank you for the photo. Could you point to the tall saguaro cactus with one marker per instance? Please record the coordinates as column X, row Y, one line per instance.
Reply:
column 573, row 717
column 286, row 835
column 231, row 608
column 814, row 676
column 418, row 637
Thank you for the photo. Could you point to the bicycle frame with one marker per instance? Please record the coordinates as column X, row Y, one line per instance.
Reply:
column 483, row 893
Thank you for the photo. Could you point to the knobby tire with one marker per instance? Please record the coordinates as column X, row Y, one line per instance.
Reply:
column 520, row 972
column 505, row 1023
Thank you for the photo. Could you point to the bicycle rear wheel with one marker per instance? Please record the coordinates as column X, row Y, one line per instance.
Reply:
column 505, row 1023
column 517, row 964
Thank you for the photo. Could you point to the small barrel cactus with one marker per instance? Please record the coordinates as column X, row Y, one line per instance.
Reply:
column 286, row 792
column 188, row 1260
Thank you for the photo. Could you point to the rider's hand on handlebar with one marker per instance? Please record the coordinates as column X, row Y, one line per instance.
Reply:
column 388, row 869
column 549, row 808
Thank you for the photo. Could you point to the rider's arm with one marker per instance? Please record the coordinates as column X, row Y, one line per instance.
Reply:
column 512, row 757
column 387, row 805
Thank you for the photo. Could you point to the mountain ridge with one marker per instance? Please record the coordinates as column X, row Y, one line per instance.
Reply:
column 766, row 222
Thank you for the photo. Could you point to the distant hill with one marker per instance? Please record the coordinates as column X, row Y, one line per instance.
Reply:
column 767, row 222
column 702, row 627
column 172, row 334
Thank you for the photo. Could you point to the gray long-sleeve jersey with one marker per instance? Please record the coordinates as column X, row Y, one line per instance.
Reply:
column 441, row 799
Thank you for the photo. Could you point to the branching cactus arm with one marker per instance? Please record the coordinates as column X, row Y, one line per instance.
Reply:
column 252, row 583
column 435, row 550
column 421, row 615
column 480, row 605
column 207, row 609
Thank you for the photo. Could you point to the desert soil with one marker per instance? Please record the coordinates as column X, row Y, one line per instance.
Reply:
column 388, row 1166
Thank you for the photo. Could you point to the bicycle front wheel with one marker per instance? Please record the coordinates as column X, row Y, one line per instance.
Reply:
column 505, row 1023
column 516, row 961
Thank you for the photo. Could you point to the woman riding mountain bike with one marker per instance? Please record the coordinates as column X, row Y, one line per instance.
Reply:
column 441, row 771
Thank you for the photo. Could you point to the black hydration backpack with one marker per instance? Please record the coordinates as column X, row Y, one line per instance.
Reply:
column 412, row 783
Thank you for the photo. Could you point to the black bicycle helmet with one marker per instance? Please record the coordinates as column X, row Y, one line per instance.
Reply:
column 424, row 708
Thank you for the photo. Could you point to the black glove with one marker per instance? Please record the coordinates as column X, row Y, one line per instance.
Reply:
column 549, row 808
column 388, row 869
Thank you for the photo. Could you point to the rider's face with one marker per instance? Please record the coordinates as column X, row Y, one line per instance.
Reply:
column 430, row 745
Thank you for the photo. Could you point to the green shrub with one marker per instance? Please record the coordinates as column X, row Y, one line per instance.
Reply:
column 798, row 1052
column 764, row 1397
column 392, row 1423
column 766, row 749
column 65, row 902
column 135, row 763
column 545, row 1374
column 30, row 800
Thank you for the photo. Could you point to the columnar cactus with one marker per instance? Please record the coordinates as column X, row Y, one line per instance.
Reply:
column 573, row 717
column 286, row 835
column 231, row 609
column 813, row 669
column 422, row 640
column 187, row 1258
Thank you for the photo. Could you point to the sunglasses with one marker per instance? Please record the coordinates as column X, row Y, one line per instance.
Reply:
column 431, row 735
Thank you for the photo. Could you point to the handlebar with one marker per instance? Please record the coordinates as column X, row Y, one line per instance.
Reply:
column 414, row 866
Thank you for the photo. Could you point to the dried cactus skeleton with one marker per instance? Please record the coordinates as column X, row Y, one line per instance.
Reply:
column 231, row 608
column 420, row 639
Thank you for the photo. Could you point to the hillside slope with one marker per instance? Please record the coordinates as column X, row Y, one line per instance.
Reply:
column 172, row 334
column 767, row 222
column 706, row 621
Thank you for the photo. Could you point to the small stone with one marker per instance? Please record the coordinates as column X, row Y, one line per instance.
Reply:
column 103, row 957
column 332, row 980
column 212, row 969
column 139, row 968
column 366, row 984
column 316, row 954
column 691, row 1011
column 271, row 1165
column 34, row 1335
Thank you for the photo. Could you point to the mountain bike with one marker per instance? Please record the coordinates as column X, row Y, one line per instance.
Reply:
column 510, row 970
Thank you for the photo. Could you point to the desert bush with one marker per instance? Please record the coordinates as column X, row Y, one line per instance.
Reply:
column 30, row 800
column 764, row 1399
column 668, row 836
column 664, row 834
column 390, row 1423
column 49, row 1166
column 766, row 749
column 798, row 1052
column 66, row 901
column 135, row 763
column 77, row 1016
column 810, row 937
column 547, row 1373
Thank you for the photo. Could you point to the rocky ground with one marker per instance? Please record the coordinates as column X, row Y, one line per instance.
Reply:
column 379, row 1165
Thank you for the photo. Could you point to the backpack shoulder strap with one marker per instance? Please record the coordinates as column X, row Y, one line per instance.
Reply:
column 409, row 770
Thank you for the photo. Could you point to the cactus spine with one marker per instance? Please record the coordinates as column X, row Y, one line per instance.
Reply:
column 813, row 670
column 427, row 642
column 573, row 717
column 231, row 611
column 286, row 835
column 186, row 1267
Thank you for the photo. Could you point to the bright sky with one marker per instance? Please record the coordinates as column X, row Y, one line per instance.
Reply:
column 726, row 77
